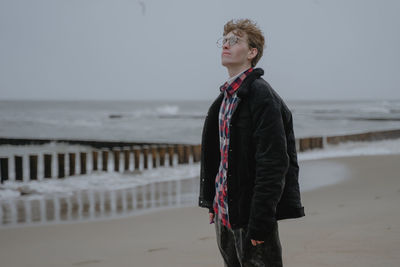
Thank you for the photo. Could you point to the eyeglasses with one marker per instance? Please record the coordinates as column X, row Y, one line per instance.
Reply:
column 231, row 40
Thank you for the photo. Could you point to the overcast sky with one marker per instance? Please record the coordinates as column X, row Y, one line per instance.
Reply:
column 165, row 49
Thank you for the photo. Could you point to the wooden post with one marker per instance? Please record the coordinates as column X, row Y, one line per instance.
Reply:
column 162, row 155
column 316, row 142
column 4, row 169
column 332, row 140
column 33, row 161
column 193, row 148
column 61, row 165
column 305, row 144
column 104, row 154
column 180, row 154
column 47, row 165
column 19, row 172
column 196, row 153
column 297, row 144
column 171, row 150
column 136, row 154
column 186, row 153
column 95, row 159
column 154, row 156
column 116, row 160
column 71, row 164
column 83, row 162
column 145, row 150
column 127, row 151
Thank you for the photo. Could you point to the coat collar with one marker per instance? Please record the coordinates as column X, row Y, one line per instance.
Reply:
column 243, row 90
column 231, row 88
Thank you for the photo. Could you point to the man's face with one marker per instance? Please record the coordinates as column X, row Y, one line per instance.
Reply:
column 235, row 54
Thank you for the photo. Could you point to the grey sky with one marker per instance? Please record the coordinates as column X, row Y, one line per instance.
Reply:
column 165, row 49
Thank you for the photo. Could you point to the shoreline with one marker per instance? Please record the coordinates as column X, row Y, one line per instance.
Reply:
column 355, row 222
column 97, row 204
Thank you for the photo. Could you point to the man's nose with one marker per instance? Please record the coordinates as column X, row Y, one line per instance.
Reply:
column 225, row 45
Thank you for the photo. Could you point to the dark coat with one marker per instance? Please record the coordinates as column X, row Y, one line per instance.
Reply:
column 262, row 171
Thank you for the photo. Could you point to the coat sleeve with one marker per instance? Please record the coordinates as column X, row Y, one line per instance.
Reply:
column 271, row 162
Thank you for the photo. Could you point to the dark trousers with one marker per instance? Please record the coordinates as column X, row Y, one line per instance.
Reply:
column 237, row 250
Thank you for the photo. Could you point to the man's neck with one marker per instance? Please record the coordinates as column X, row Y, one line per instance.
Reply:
column 233, row 71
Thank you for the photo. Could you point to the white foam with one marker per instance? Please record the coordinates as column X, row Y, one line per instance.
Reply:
column 113, row 180
column 168, row 110
column 97, row 181
column 382, row 147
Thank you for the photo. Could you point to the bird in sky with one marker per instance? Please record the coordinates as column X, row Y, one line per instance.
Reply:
column 143, row 5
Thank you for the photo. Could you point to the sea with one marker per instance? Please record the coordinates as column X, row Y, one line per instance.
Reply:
column 103, row 195
column 177, row 121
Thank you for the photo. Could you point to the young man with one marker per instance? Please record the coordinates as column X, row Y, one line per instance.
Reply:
column 249, row 170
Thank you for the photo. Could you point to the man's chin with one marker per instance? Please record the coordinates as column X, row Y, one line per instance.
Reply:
column 225, row 64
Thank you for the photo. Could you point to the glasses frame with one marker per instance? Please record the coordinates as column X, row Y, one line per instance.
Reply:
column 232, row 41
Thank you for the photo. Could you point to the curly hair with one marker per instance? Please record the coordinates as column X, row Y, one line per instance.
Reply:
column 255, row 37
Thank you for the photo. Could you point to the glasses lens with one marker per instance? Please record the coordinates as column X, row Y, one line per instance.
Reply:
column 220, row 42
column 233, row 40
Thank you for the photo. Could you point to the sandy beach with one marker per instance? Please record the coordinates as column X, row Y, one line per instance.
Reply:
column 355, row 222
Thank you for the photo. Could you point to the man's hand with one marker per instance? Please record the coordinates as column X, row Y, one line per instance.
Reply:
column 211, row 215
column 255, row 242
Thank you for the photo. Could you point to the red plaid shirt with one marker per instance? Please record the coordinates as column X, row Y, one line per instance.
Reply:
column 228, row 106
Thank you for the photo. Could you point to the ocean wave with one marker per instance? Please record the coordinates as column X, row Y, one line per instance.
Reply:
column 101, row 181
column 376, row 110
column 168, row 110
column 113, row 180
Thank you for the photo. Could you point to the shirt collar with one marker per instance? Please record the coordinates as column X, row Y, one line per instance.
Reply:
column 234, row 82
column 231, row 79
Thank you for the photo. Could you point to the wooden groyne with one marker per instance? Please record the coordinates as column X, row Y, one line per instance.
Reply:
column 308, row 143
column 99, row 156
column 131, row 156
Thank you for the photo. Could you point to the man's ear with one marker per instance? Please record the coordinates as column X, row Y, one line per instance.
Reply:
column 252, row 53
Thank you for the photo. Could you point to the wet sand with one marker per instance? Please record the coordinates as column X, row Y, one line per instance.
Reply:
column 355, row 222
